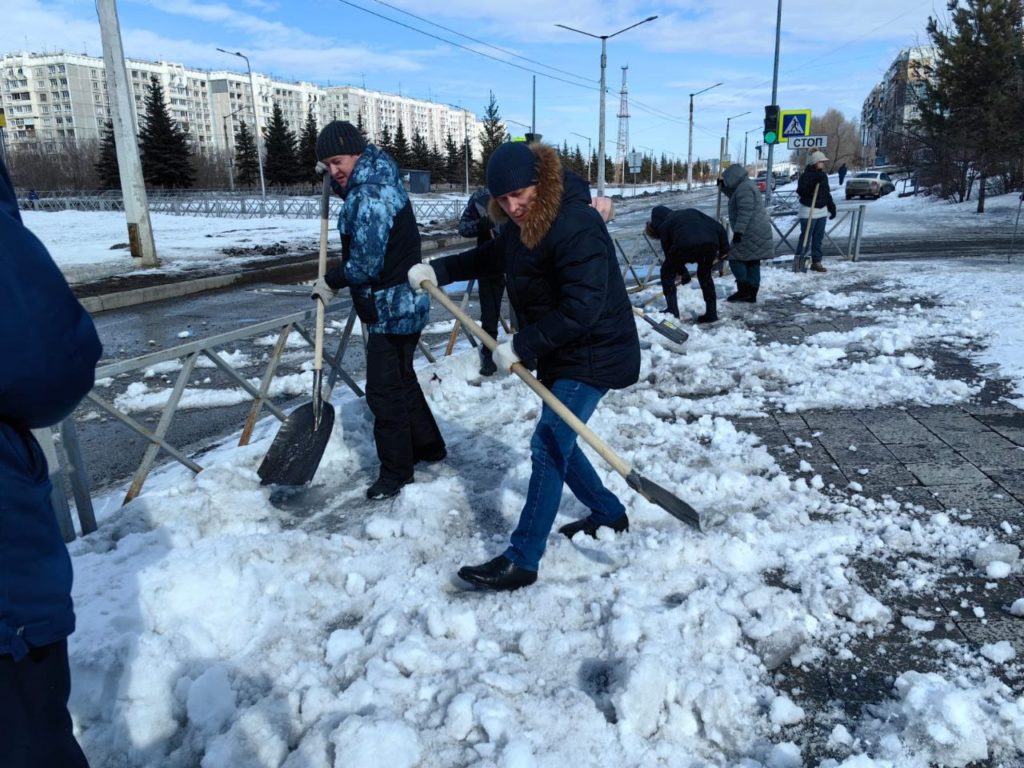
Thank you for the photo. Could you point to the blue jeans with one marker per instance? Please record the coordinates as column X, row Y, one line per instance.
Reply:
column 817, row 236
column 746, row 272
column 557, row 461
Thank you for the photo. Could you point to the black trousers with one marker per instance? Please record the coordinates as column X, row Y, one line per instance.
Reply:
column 35, row 726
column 403, row 426
column 491, row 290
column 675, row 264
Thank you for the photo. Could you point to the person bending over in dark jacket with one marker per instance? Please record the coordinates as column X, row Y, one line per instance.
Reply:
column 49, row 349
column 475, row 222
column 688, row 236
column 577, row 329
column 379, row 242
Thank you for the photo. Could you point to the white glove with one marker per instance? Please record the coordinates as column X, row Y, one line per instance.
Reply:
column 505, row 356
column 420, row 272
column 322, row 291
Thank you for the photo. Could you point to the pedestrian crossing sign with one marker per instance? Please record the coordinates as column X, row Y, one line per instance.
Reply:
column 794, row 123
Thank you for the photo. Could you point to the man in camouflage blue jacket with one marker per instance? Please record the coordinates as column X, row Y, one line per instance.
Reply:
column 380, row 242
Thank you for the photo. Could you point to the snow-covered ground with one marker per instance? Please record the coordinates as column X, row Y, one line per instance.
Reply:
column 220, row 627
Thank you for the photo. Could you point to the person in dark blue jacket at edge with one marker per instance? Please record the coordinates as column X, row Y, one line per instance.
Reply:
column 49, row 349
column 475, row 222
column 379, row 243
column 576, row 328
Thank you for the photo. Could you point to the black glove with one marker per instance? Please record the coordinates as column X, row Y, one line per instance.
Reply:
column 832, row 210
column 484, row 226
column 721, row 183
column 737, row 238
column 684, row 277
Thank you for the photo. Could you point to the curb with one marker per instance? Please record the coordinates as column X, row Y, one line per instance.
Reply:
column 297, row 272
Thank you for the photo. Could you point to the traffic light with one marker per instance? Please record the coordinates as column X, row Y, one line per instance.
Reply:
column 771, row 124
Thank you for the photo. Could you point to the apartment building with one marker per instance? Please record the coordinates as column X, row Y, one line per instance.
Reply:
column 53, row 98
column 892, row 104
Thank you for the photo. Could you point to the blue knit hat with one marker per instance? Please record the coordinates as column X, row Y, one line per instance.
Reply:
column 512, row 166
column 339, row 137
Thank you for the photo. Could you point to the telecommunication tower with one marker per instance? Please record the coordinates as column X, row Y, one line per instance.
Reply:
column 622, row 145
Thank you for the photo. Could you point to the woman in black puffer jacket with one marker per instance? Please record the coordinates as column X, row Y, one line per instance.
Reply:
column 578, row 330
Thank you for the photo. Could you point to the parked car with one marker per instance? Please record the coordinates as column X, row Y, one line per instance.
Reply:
column 762, row 182
column 871, row 184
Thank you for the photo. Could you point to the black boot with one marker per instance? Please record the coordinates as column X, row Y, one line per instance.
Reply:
column 499, row 574
column 741, row 293
column 708, row 317
column 386, row 487
column 487, row 366
column 750, row 296
column 589, row 526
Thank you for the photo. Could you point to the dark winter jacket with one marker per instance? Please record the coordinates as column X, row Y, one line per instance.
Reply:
column 563, row 282
column 747, row 217
column 475, row 221
column 681, row 231
column 809, row 179
column 379, row 243
column 49, row 350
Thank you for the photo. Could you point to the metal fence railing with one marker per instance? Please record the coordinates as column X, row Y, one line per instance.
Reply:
column 222, row 205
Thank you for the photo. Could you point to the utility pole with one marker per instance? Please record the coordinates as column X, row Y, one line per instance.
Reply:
column 775, row 93
column 122, row 114
column 255, row 117
column 689, row 151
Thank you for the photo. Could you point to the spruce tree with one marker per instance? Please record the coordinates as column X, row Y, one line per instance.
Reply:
column 971, row 111
column 247, row 164
column 402, row 154
column 307, row 150
column 107, row 167
column 492, row 135
column 452, row 159
column 281, row 166
column 419, row 151
column 163, row 146
column 385, row 143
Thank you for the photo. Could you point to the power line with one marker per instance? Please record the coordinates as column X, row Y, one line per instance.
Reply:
column 466, row 48
column 482, row 42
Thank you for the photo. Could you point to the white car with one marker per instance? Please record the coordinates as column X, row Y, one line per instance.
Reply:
column 871, row 184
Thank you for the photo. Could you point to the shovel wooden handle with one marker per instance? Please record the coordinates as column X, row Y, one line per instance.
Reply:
column 325, row 205
column 545, row 394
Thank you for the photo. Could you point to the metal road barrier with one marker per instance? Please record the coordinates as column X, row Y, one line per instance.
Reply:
column 68, row 470
column 61, row 443
column 848, row 222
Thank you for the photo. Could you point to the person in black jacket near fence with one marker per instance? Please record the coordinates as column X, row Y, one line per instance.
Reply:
column 815, row 204
column 476, row 222
column 577, row 329
column 689, row 236
column 49, row 349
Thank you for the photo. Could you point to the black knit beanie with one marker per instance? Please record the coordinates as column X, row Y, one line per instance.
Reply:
column 339, row 138
column 512, row 166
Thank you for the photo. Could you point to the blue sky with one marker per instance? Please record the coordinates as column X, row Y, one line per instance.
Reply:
column 831, row 54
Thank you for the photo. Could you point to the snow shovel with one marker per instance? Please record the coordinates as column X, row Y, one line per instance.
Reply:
column 300, row 442
column 800, row 262
column 650, row 490
column 664, row 327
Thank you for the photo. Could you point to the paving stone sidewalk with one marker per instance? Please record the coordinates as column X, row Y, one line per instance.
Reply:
column 966, row 459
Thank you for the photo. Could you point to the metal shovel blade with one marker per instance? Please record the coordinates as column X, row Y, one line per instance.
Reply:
column 298, row 447
column 668, row 501
column 666, row 329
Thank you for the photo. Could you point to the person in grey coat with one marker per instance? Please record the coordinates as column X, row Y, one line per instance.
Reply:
column 752, row 232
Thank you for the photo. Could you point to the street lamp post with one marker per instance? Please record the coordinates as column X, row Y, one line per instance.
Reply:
column 256, row 117
column 727, row 121
column 588, row 151
column 689, row 151
column 227, row 147
column 745, row 134
column 600, row 124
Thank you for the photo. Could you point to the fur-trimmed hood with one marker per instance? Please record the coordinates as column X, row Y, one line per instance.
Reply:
column 546, row 203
